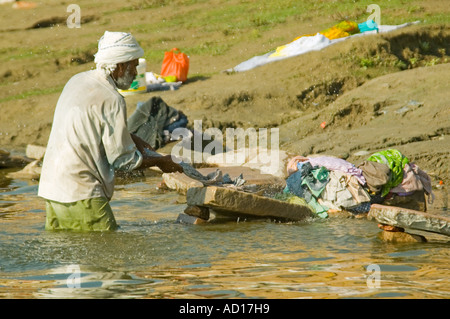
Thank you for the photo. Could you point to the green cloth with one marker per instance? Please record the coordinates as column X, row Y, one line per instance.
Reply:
column 396, row 162
column 286, row 196
column 317, row 180
column 93, row 214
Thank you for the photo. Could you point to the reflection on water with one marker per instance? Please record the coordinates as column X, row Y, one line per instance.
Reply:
column 152, row 256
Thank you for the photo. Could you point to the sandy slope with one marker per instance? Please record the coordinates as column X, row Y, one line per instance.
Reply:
column 365, row 108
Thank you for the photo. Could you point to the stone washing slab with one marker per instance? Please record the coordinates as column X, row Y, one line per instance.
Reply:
column 181, row 183
column 232, row 203
column 408, row 218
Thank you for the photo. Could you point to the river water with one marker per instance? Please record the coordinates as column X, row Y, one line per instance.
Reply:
column 153, row 256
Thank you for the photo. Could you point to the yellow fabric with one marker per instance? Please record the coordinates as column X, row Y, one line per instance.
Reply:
column 340, row 30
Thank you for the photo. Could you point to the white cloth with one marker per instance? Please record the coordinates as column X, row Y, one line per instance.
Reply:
column 117, row 47
column 304, row 45
column 88, row 141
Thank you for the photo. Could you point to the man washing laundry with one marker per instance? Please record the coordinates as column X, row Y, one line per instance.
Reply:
column 89, row 140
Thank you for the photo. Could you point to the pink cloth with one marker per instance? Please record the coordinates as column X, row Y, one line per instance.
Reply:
column 330, row 163
column 292, row 164
column 338, row 164
column 414, row 179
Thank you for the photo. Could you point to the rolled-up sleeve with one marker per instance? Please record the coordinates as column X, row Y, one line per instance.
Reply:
column 119, row 147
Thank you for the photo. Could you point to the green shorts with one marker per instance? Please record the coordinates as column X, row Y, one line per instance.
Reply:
column 93, row 214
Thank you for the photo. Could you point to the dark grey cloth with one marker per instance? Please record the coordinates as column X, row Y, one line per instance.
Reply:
column 376, row 175
column 150, row 119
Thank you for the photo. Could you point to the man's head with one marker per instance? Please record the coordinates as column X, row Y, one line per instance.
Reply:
column 124, row 74
column 118, row 55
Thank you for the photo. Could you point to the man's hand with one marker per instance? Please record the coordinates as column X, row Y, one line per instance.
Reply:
column 167, row 165
column 141, row 145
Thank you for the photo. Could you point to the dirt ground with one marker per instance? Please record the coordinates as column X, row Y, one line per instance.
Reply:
column 372, row 93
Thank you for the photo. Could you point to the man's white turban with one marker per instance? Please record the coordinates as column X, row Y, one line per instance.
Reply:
column 117, row 47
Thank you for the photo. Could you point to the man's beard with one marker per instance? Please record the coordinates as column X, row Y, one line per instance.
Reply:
column 125, row 81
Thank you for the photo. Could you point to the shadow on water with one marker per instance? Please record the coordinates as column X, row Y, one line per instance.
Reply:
column 152, row 256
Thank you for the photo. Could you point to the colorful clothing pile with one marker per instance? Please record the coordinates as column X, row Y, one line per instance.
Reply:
column 328, row 183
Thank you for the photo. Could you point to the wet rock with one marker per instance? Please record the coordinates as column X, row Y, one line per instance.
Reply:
column 407, row 218
column 31, row 171
column 186, row 219
column 197, row 211
column 3, row 154
column 401, row 237
column 35, row 151
column 180, row 182
column 233, row 203
column 391, row 228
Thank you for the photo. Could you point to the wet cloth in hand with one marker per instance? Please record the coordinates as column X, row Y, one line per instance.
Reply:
column 216, row 178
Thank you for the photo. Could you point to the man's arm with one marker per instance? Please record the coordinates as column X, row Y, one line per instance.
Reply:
column 165, row 163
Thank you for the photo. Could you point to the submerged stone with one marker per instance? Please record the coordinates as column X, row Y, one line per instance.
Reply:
column 233, row 203
column 401, row 237
column 408, row 218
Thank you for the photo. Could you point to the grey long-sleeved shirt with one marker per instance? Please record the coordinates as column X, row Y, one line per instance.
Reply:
column 88, row 141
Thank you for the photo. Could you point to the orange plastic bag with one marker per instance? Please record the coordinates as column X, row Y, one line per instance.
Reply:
column 175, row 63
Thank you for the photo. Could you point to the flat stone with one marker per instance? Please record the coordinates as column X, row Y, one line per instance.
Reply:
column 401, row 237
column 408, row 218
column 181, row 183
column 233, row 203
column 31, row 171
column 197, row 211
column 35, row 151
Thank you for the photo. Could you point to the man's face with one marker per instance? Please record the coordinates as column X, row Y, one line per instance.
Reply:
column 126, row 72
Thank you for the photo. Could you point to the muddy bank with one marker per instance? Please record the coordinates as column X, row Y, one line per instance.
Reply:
column 371, row 93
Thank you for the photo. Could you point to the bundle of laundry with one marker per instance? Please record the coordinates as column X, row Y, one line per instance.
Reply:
column 154, row 121
column 390, row 172
column 328, row 183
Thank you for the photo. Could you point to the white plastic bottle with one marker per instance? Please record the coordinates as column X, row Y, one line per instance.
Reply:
column 141, row 69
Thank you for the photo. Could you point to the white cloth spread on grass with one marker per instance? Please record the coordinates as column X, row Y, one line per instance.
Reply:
column 88, row 141
column 306, row 44
column 117, row 47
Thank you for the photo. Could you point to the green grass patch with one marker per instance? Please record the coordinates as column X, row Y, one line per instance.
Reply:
column 30, row 93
